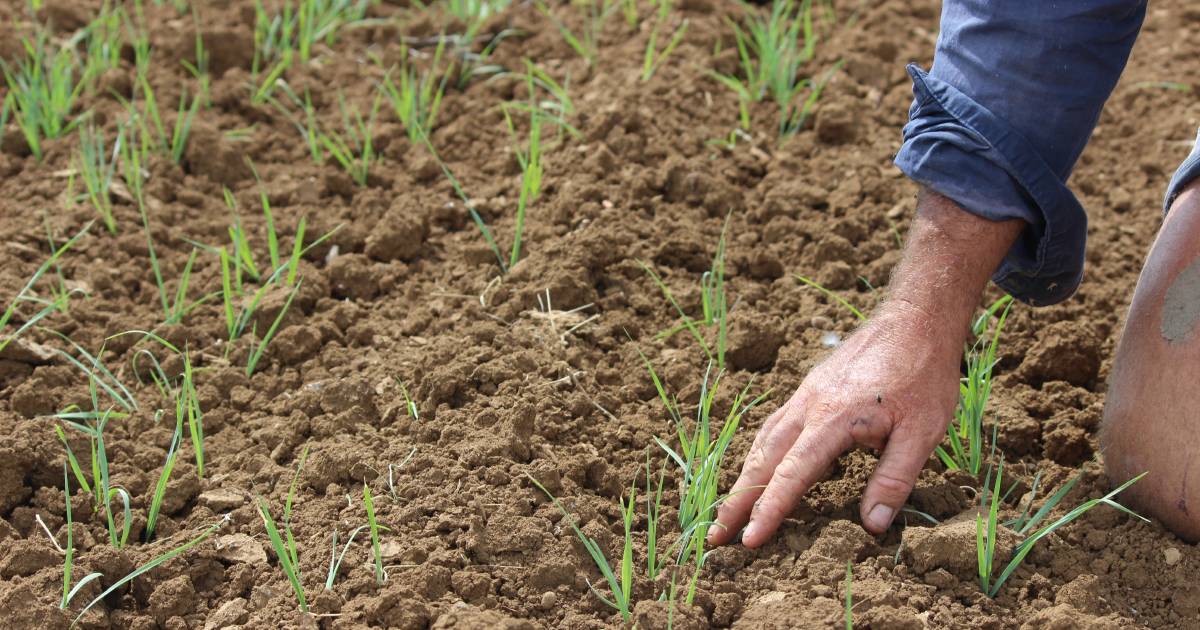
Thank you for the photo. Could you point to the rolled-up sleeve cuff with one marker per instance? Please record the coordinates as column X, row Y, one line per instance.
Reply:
column 1187, row 172
column 958, row 148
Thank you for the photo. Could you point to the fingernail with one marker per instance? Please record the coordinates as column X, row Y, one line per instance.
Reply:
column 750, row 530
column 712, row 531
column 880, row 517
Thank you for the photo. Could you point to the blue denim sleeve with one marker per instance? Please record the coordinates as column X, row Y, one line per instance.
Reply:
column 997, row 124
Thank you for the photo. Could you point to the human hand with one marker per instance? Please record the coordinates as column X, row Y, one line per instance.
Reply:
column 892, row 386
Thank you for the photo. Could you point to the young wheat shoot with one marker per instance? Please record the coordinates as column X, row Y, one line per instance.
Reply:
column 620, row 587
column 69, row 591
column 653, row 57
column 353, row 148
column 284, row 544
column 987, row 528
column 152, row 564
column 27, row 295
column 416, row 96
column 44, row 88
column 585, row 43
column 771, row 51
column 714, row 304
column 700, row 456
column 965, row 436
column 96, row 167
column 374, row 527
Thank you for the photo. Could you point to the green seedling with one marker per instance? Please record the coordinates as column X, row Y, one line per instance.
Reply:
column 306, row 124
column 320, row 20
column 43, row 89
column 353, row 148
column 199, row 68
column 410, row 406
column 257, row 349
column 772, row 50
column 653, row 512
column 416, row 96
column 96, row 166
column 700, row 455
column 849, row 595
column 281, row 39
column 585, row 43
column 60, row 295
column 27, row 294
column 103, row 488
column 99, row 376
column 160, row 487
column 474, row 12
column 182, row 393
column 101, row 40
column 471, row 64
column 138, row 38
column 153, row 564
column 335, row 559
column 547, row 98
column 285, row 544
column 965, row 436
column 134, row 156
column 622, row 586
column 240, row 319
column 69, row 592
column 274, row 48
column 480, row 224
column 373, row 525
column 833, row 296
column 530, row 159
column 629, row 10
column 794, row 116
column 987, row 529
column 172, row 145
column 714, row 305
column 90, row 423
column 653, row 57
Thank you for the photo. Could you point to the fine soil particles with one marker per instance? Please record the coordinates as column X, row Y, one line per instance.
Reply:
column 536, row 373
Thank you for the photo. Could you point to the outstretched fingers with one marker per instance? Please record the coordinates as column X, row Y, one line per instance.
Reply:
column 810, row 455
column 770, row 445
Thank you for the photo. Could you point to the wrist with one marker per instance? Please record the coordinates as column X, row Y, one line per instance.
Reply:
column 948, row 259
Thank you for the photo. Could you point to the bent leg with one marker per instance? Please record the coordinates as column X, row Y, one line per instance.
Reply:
column 1152, row 412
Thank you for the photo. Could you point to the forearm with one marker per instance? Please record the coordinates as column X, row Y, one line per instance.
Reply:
column 949, row 256
column 998, row 123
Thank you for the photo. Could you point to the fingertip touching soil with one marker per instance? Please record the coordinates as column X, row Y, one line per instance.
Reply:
column 535, row 374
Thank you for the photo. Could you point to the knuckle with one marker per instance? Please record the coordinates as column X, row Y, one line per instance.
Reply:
column 791, row 472
column 891, row 485
column 756, row 459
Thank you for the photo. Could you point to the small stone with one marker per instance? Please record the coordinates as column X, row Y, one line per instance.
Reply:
column 820, row 322
column 241, row 548
column 28, row 352
column 222, row 500
column 1172, row 556
column 549, row 599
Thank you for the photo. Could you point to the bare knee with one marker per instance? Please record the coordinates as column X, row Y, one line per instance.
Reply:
column 1170, row 491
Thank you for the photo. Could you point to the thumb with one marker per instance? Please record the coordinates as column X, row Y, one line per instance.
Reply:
column 891, row 483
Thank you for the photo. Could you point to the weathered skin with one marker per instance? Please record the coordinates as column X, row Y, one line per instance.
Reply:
column 891, row 386
column 1153, row 407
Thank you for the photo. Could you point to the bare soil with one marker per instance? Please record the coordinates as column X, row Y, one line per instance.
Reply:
column 407, row 289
